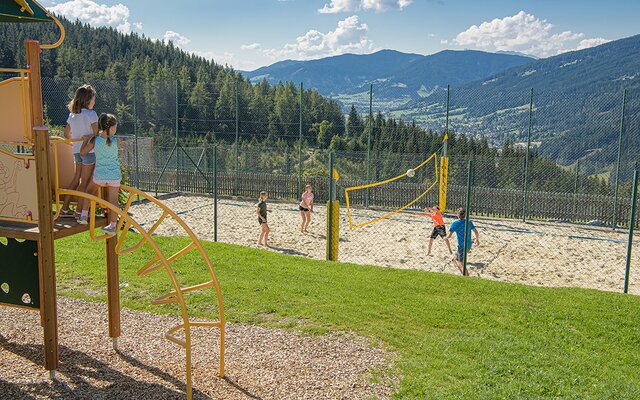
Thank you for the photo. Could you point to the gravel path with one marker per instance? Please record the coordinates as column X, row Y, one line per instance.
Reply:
column 261, row 363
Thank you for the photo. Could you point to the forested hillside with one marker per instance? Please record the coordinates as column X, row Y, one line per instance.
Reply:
column 158, row 90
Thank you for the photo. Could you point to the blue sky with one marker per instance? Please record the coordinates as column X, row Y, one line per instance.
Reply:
column 251, row 33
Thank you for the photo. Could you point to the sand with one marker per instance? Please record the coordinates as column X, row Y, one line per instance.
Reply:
column 534, row 253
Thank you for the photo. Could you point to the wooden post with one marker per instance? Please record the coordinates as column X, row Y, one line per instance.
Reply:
column 35, row 83
column 46, row 253
column 113, row 290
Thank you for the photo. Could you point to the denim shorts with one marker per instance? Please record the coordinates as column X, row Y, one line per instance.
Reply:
column 89, row 159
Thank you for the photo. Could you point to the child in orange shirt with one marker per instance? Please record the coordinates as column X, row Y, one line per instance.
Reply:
column 438, row 227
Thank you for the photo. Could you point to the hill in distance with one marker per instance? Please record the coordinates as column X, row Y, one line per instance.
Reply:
column 397, row 77
column 577, row 103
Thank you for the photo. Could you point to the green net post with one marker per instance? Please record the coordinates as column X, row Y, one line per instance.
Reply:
column 215, row 192
column 576, row 187
column 632, row 222
column 300, row 143
column 366, row 199
column 616, row 186
column 525, row 185
column 467, row 216
column 135, row 136
column 176, row 140
column 237, row 142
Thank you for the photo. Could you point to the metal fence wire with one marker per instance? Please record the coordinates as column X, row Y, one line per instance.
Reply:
column 553, row 171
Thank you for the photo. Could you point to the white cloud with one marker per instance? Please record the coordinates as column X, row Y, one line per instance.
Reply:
column 340, row 6
column 348, row 37
column 252, row 46
column 177, row 39
column 586, row 43
column 137, row 25
column 523, row 33
column 88, row 11
column 227, row 58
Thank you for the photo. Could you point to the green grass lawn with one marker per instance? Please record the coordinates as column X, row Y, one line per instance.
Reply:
column 455, row 337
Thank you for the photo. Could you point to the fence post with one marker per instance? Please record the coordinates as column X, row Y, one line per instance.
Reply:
column 330, row 221
column 366, row 199
column 526, row 160
column 237, row 144
column 632, row 222
column 177, row 128
column 215, row 192
column 615, row 190
column 135, row 136
column 467, row 216
column 575, row 191
column 300, row 144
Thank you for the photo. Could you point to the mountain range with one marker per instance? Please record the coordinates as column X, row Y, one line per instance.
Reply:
column 397, row 77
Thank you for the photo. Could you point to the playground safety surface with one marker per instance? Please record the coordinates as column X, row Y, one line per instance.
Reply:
column 261, row 363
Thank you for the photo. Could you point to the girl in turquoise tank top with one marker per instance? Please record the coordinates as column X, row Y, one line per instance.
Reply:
column 107, row 171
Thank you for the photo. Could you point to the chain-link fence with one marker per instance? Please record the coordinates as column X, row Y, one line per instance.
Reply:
column 552, row 171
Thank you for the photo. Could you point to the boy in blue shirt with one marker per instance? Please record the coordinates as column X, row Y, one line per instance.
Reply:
column 458, row 227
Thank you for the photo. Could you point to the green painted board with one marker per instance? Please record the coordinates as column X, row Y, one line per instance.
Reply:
column 19, row 280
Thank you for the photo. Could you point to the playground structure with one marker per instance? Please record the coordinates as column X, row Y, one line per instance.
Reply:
column 34, row 171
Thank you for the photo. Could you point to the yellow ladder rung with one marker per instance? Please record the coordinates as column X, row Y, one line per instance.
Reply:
column 175, row 340
column 164, row 298
column 150, row 267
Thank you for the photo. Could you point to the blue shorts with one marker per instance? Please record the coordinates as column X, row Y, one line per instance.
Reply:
column 89, row 159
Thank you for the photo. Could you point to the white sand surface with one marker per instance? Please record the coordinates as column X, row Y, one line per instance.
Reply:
column 534, row 253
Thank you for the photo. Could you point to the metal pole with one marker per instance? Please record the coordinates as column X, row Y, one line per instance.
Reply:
column 632, row 221
column 177, row 128
column 235, row 181
column 446, row 126
column 366, row 202
column 215, row 193
column 135, row 135
column 330, row 211
column 526, row 160
column 300, row 144
column 575, row 191
column 615, row 190
column 467, row 216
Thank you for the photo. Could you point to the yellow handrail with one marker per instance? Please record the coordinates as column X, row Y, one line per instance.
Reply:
column 57, row 22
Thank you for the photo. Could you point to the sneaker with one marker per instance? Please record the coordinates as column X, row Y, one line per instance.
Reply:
column 109, row 229
column 82, row 220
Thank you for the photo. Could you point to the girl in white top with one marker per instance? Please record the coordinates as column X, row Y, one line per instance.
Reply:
column 82, row 121
column 306, row 208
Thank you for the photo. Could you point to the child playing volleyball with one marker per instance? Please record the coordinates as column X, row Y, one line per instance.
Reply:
column 262, row 211
column 438, row 227
column 107, row 172
column 458, row 227
column 306, row 208
column 82, row 121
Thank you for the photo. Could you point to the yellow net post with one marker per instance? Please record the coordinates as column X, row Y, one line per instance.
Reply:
column 333, row 229
column 444, row 176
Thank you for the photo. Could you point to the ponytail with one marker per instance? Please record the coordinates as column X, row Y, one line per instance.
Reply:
column 105, row 123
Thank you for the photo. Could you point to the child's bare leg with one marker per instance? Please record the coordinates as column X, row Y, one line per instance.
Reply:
column 308, row 220
column 304, row 219
column 86, row 181
column 458, row 263
column 261, row 234
column 448, row 245
column 112, row 196
column 75, row 182
column 430, row 244
column 266, row 235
